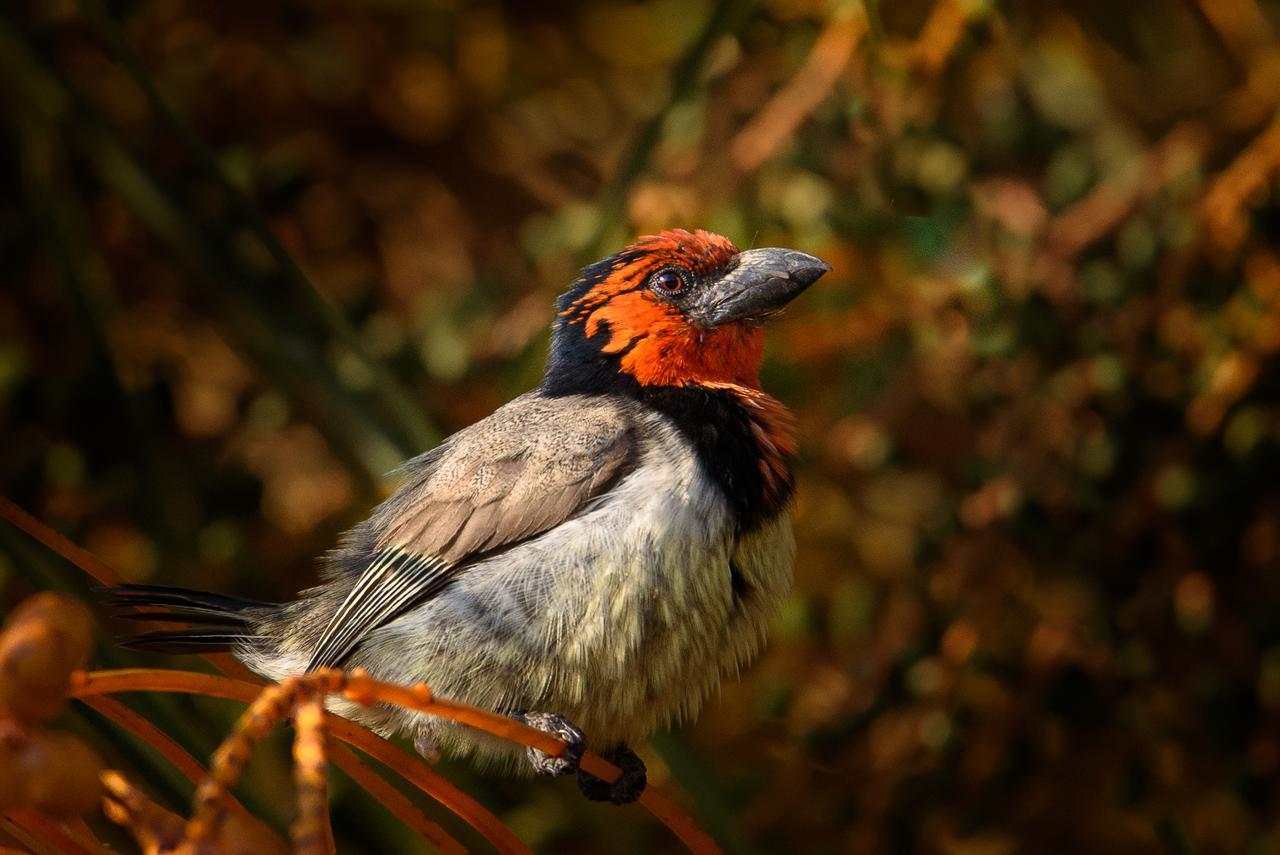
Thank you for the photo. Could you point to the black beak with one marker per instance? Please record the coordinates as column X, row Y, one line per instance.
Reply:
column 757, row 284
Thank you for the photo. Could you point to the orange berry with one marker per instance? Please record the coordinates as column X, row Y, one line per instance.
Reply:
column 60, row 774
column 45, row 639
column 68, row 617
column 33, row 672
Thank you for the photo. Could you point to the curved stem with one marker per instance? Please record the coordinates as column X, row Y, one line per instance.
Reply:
column 363, row 689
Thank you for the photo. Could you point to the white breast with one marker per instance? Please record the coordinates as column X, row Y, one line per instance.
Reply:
column 621, row 619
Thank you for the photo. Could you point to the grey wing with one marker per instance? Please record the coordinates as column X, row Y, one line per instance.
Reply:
column 525, row 469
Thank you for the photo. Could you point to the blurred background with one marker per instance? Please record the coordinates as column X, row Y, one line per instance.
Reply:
column 254, row 255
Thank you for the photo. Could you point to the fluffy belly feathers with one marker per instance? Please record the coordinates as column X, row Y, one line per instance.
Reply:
column 621, row 619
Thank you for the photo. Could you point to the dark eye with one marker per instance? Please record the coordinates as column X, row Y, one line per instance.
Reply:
column 669, row 281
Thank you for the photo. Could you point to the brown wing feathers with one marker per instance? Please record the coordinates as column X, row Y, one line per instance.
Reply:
column 522, row 471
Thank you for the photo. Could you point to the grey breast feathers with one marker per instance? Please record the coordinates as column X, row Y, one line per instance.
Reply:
column 523, row 470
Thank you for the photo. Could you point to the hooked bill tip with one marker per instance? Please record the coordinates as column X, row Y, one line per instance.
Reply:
column 804, row 268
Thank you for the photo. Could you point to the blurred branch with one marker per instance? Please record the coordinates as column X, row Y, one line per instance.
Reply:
column 395, row 399
column 140, row 727
column 77, row 555
column 706, row 791
column 1105, row 207
column 360, row 688
column 782, row 115
column 126, row 805
column 311, row 833
column 43, row 834
column 191, row 768
column 416, row 771
column 1242, row 26
column 1226, row 198
column 388, row 796
column 399, row 805
column 727, row 16
column 94, row 566
column 940, row 35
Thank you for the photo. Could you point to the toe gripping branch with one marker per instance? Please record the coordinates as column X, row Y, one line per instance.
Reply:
column 558, row 726
column 629, row 786
column 626, row 789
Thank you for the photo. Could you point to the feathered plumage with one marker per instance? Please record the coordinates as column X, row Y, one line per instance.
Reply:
column 603, row 548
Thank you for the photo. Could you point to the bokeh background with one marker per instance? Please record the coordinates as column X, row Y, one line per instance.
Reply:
column 255, row 254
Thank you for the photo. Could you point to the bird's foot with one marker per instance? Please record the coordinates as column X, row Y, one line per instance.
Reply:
column 626, row 789
column 543, row 763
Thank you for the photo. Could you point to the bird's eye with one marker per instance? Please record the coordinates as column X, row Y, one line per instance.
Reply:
column 669, row 281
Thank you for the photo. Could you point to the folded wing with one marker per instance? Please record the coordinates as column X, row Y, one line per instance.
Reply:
column 527, row 468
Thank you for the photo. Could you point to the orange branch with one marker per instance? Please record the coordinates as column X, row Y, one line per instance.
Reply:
column 95, row 567
column 153, row 827
column 438, row 787
column 1242, row 26
column 110, row 708
column 675, row 818
column 1229, row 194
column 311, row 833
column 85, row 685
column 940, row 35
column 269, row 707
column 77, row 555
column 363, row 689
column 1104, row 208
column 49, row 831
column 395, row 801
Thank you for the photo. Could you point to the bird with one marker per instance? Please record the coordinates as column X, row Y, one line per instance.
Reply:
column 592, row 558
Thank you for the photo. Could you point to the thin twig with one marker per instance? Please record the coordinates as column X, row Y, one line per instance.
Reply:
column 1224, row 201
column 98, row 569
column 940, row 35
column 48, row 831
column 152, row 826
column 77, row 555
column 395, row 801
column 811, row 85
column 361, row 688
column 272, row 705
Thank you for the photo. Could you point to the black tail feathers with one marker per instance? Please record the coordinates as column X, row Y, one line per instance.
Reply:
column 224, row 622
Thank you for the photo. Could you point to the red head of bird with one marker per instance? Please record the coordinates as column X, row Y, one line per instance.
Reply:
column 673, row 309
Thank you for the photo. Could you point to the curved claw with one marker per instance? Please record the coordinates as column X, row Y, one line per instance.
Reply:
column 558, row 726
